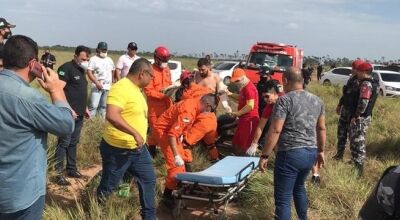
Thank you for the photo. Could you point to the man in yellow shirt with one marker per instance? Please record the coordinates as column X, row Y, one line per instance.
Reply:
column 123, row 147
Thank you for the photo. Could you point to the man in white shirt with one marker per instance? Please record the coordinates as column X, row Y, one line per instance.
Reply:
column 125, row 61
column 100, row 72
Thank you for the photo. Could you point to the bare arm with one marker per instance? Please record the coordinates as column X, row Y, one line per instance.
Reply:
column 113, row 115
column 117, row 74
column 272, row 136
column 93, row 79
column 259, row 130
column 321, row 133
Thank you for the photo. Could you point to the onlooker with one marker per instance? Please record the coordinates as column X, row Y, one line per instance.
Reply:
column 74, row 74
column 48, row 59
column 158, row 101
column 123, row 147
column 100, row 72
column 305, row 72
column 125, row 61
column 247, row 111
column 361, row 114
column 350, row 91
column 297, row 127
column 26, row 118
column 319, row 71
column 5, row 33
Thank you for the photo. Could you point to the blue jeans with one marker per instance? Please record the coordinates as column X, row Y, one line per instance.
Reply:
column 33, row 212
column 98, row 102
column 117, row 161
column 291, row 170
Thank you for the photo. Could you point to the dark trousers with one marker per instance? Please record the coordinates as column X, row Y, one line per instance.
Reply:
column 67, row 147
column 290, row 172
column 343, row 130
column 33, row 212
column 117, row 161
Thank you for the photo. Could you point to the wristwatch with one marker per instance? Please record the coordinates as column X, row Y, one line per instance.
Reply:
column 264, row 156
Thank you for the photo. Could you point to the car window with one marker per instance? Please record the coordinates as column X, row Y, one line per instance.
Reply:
column 341, row 71
column 390, row 77
column 224, row 66
column 172, row 66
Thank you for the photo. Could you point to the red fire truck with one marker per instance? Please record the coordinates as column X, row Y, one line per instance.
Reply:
column 273, row 57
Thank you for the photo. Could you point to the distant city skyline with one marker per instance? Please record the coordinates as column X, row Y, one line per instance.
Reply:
column 338, row 28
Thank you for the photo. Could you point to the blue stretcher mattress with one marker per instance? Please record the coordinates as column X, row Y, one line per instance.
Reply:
column 224, row 172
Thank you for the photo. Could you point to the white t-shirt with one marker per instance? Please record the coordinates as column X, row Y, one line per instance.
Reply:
column 103, row 70
column 124, row 63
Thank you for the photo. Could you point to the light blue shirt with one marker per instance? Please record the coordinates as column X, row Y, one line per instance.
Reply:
column 26, row 117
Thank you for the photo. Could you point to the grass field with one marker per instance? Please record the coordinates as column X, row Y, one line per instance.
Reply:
column 339, row 196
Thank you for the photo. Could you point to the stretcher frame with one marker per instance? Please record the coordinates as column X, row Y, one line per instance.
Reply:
column 215, row 195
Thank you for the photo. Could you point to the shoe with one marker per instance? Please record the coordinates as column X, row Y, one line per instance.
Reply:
column 167, row 199
column 61, row 181
column 338, row 157
column 74, row 174
column 315, row 180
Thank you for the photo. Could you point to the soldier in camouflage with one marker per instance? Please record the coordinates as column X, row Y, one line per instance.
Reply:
column 343, row 109
column 361, row 113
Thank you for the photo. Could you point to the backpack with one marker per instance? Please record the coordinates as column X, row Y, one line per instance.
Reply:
column 384, row 201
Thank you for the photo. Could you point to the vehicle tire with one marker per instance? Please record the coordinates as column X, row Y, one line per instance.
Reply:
column 380, row 92
column 227, row 80
column 327, row 82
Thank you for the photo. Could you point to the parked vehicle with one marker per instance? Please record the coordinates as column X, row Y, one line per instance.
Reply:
column 175, row 68
column 276, row 57
column 389, row 82
column 336, row 76
column 224, row 69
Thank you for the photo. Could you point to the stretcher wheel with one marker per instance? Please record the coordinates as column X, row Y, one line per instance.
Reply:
column 177, row 211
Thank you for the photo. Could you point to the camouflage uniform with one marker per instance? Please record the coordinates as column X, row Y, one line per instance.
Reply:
column 361, row 119
column 352, row 86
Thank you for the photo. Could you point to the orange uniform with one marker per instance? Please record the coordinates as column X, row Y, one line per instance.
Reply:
column 157, row 101
column 182, row 121
column 195, row 91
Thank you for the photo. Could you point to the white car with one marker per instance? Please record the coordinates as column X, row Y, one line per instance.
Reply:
column 389, row 82
column 175, row 67
column 336, row 76
column 224, row 69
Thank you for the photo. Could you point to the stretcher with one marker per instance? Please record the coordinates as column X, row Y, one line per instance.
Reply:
column 216, row 185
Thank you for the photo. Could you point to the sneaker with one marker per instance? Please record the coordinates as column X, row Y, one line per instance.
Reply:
column 74, row 174
column 315, row 180
column 61, row 181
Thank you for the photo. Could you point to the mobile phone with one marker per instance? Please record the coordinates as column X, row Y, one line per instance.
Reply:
column 37, row 71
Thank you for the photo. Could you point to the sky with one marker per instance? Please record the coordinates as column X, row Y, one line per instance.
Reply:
column 338, row 28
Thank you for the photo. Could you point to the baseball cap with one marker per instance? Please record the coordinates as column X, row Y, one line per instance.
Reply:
column 237, row 74
column 4, row 23
column 102, row 46
column 356, row 63
column 132, row 46
column 365, row 66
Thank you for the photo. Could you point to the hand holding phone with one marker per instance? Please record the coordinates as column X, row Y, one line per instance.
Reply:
column 37, row 71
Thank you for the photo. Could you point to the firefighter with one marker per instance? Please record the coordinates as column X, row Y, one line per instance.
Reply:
column 157, row 101
column 361, row 114
column 247, row 111
column 171, row 131
column 343, row 109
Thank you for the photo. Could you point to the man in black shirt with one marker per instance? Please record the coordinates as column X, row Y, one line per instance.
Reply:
column 48, row 59
column 74, row 74
column 5, row 33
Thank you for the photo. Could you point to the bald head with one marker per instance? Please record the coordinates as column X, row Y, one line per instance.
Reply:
column 210, row 100
column 293, row 75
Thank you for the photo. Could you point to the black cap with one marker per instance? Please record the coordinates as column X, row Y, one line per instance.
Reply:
column 102, row 46
column 132, row 46
column 4, row 23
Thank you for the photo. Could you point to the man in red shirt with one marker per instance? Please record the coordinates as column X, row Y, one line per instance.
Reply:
column 247, row 111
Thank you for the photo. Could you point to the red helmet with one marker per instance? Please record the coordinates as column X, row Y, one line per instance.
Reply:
column 186, row 74
column 162, row 53
column 356, row 63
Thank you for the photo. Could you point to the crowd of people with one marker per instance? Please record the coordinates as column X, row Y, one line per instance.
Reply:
column 142, row 119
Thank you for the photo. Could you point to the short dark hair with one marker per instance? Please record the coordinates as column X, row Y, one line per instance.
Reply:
column 203, row 62
column 271, row 86
column 212, row 99
column 293, row 75
column 138, row 66
column 82, row 48
column 18, row 51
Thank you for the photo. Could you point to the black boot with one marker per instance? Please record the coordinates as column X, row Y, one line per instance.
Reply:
column 188, row 167
column 152, row 150
column 168, row 199
column 338, row 156
column 359, row 168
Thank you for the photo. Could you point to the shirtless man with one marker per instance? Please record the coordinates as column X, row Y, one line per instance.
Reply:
column 205, row 77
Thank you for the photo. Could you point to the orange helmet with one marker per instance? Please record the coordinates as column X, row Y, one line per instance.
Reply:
column 162, row 53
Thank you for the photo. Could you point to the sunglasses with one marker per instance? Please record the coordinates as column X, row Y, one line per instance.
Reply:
column 266, row 96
